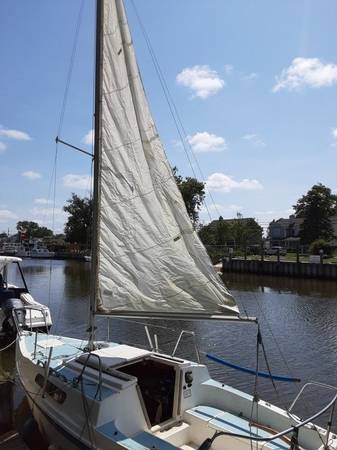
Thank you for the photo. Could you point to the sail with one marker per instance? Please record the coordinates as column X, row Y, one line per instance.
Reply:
column 149, row 257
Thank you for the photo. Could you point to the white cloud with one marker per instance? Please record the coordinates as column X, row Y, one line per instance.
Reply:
column 203, row 142
column 255, row 139
column 250, row 76
column 31, row 175
column 42, row 201
column 74, row 181
column 202, row 80
column 14, row 134
column 2, row 147
column 88, row 139
column 334, row 133
column 6, row 214
column 219, row 182
column 306, row 72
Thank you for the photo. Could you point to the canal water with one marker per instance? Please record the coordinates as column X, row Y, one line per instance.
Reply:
column 298, row 320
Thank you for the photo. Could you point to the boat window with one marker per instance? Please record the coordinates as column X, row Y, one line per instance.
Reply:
column 12, row 277
column 156, row 382
column 53, row 391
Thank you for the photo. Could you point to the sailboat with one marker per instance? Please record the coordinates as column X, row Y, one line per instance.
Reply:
column 147, row 262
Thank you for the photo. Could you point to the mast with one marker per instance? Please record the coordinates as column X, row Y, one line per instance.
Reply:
column 97, row 145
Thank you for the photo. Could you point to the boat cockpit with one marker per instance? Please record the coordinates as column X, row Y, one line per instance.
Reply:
column 156, row 381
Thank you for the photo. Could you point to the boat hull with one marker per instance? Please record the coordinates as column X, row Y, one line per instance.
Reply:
column 103, row 405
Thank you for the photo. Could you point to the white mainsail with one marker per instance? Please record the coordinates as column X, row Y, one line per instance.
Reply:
column 149, row 257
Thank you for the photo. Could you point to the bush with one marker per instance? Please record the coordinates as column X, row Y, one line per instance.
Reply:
column 321, row 244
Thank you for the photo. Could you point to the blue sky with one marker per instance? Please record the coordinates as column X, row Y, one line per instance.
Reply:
column 255, row 84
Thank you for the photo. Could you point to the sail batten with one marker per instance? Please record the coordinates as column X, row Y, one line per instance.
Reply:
column 150, row 259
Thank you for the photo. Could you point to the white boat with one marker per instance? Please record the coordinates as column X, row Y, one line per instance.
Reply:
column 31, row 314
column 10, row 248
column 39, row 250
column 147, row 262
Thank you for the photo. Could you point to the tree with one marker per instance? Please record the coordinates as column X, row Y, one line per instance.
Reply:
column 316, row 207
column 193, row 192
column 222, row 232
column 246, row 231
column 32, row 229
column 78, row 226
column 240, row 233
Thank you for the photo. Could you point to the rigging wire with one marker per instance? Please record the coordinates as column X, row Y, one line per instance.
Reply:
column 173, row 109
column 285, row 407
column 59, row 130
column 71, row 67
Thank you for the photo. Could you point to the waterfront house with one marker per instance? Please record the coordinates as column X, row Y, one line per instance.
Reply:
column 286, row 232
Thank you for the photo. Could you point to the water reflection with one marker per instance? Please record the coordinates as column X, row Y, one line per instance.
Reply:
column 280, row 285
column 76, row 280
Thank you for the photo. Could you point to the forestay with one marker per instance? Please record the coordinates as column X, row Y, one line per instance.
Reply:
column 150, row 259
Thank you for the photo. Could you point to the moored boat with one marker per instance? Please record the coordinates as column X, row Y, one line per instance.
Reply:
column 29, row 313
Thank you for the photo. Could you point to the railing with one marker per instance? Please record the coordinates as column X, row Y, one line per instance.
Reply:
column 25, row 309
column 293, row 429
column 190, row 333
column 155, row 347
column 332, row 403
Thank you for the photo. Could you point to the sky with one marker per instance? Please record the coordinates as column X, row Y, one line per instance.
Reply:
column 254, row 82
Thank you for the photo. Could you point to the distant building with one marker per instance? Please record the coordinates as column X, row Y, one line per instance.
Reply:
column 243, row 221
column 251, row 230
column 286, row 232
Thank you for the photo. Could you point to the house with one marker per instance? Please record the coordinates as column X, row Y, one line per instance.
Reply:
column 286, row 232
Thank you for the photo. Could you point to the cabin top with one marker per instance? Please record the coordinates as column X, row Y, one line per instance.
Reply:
column 4, row 260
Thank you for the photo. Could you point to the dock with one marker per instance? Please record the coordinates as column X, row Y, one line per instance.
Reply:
column 12, row 441
column 281, row 268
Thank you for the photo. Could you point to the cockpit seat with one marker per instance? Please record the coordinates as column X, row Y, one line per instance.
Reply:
column 220, row 420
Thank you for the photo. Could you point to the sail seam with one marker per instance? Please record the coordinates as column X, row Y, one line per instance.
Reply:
column 139, row 139
column 192, row 286
column 157, row 184
column 159, row 244
column 113, row 91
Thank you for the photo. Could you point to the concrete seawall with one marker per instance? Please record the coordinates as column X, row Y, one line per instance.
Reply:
column 282, row 268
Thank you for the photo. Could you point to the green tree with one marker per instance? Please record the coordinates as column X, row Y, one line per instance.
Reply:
column 246, row 231
column 193, row 192
column 78, row 226
column 222, row 232
column 316, row 207
column 33, row 229
column 240, row 232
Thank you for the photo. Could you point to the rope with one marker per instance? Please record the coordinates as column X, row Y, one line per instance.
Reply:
column 8, row 346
